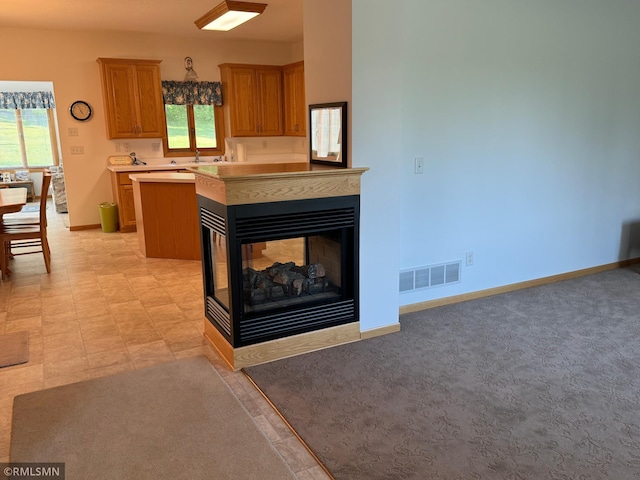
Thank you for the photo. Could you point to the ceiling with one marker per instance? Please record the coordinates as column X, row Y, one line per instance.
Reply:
column 280, row 22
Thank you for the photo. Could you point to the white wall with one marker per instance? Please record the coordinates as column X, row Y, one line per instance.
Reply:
column 377, row 139
column 528, row 117
column 331, row 67
column 327, row 52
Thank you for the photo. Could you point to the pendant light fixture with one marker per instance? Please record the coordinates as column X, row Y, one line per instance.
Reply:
column 229, row 14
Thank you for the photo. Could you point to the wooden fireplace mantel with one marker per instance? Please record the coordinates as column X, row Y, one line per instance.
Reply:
column 236, row 184
column 239, row 184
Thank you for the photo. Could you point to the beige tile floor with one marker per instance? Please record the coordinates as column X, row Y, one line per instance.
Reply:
column 104, row 309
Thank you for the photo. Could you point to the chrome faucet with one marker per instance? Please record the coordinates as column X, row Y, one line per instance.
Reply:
column 197, row 156
column 135, row 161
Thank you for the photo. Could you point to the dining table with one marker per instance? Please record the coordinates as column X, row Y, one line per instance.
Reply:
column 12, row 200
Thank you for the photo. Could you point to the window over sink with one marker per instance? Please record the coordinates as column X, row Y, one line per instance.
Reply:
column 194, row 118
column 194, row 127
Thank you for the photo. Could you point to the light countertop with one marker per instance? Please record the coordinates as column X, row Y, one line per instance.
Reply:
column 163, row 177
column 156, row 165
column 238, row 171
column 154, row 168
column 228, row 169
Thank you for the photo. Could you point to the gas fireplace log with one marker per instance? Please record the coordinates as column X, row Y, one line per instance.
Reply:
column 278, row 267
column 283, row 279
column 314, row 270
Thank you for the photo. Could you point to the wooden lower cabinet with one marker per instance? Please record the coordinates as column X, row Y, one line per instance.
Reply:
column 123, row 196
column 122, row 188
column 128, row 217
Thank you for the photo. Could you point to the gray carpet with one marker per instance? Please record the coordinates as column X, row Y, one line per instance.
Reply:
column 178, row 420
column 542, row 383
column 14, row 348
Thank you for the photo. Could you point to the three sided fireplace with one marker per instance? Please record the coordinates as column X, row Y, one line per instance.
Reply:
column 279, row 268
column 280, row 245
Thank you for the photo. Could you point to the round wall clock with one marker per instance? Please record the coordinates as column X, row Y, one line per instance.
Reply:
column 80, row 110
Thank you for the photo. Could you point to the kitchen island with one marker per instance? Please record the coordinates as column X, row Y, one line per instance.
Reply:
column 123, row 189
column 166, row 212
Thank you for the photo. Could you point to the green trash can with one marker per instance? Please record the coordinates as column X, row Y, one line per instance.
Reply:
column 108, row 216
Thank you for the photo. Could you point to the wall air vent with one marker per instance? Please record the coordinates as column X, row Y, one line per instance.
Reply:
column 430, row 276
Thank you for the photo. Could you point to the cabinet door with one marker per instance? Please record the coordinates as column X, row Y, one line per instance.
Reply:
column 132, row 94
column 270, row 102
column 150, row 103
column 124, row 179
column 241, row 98
column 120, row 100
column 128, row 211
column 295, row 108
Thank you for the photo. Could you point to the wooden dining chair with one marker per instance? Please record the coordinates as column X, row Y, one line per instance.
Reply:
column 27, row 235
column 19, row 218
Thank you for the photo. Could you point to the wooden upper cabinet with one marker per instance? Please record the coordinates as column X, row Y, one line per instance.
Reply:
column 132, row 94
column 151, row 103
column 252, row 95
column 239, row 95
column 295, row 107
column 270, row 101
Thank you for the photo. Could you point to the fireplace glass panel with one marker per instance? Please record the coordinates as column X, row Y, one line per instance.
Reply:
column 221, row 269
column 283, row 273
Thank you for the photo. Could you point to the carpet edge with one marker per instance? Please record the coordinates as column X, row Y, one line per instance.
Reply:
column 253, row 420
column 289, row 426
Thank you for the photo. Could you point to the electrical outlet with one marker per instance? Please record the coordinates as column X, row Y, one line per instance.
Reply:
column 418, row 166
column 77, row 150
column 469, row 259
column 73, row 132
column 118, row 147
column 155, row 147
column 127, row 147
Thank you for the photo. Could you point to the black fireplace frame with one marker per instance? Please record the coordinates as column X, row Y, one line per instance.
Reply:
column 259, row 222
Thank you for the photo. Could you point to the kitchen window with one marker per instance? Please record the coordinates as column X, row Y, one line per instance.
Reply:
column 28, row 137
column 194, row 118
column 194, row 127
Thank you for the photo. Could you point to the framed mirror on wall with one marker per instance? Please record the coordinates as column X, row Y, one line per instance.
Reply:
column 328, row 134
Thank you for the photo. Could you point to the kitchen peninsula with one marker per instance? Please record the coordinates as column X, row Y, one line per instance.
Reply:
column 166, row 214
column 122, row 188
column 301, row 293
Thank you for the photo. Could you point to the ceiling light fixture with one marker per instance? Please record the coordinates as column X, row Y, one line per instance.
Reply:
column 229, row 14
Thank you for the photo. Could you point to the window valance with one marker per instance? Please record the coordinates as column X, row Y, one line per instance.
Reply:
column 24, row 100
column 192, row 93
